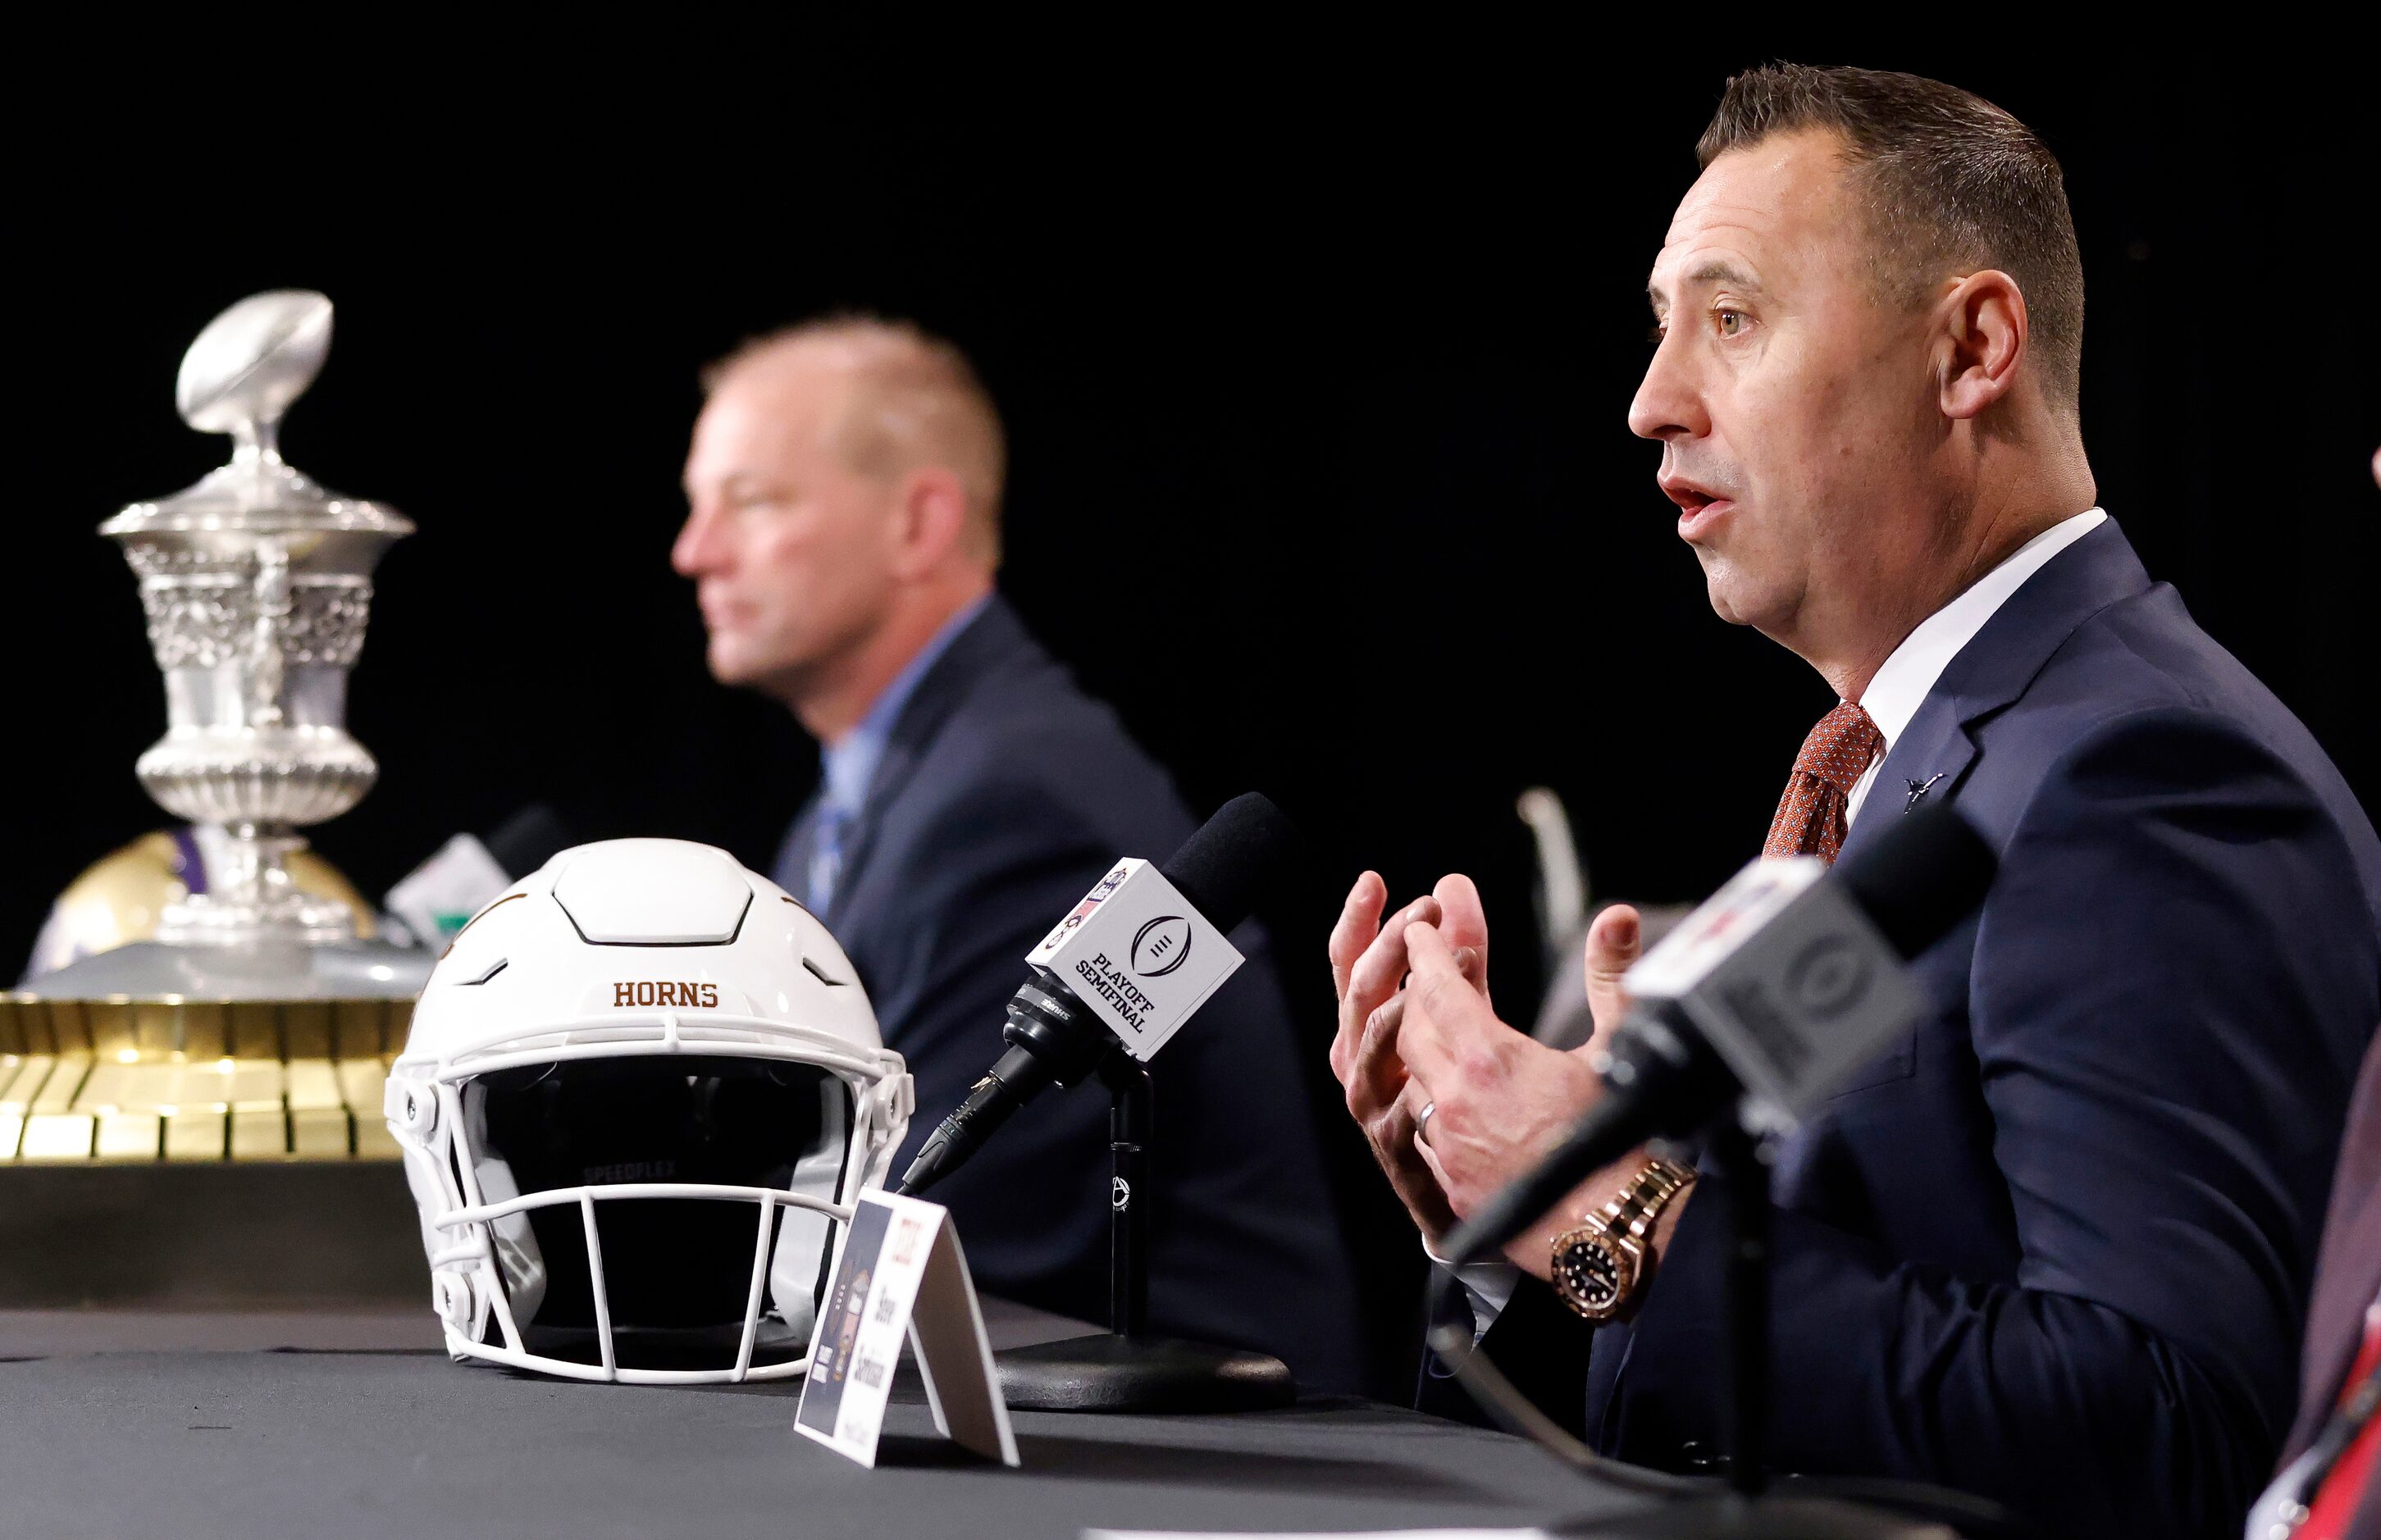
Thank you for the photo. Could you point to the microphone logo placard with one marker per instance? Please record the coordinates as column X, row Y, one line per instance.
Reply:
column 1140, row 955
column 1829, row 976
column 1811, row 991
column 1161, row 946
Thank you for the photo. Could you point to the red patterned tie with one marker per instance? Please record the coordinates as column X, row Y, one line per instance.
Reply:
column 1810, row 819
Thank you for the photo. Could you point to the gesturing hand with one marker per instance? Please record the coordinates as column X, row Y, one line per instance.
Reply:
column 1368, row 966
column 1613, row 943
column 1504, row 1100
column 1418, row 1029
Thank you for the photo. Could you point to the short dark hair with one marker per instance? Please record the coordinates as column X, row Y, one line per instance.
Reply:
column 1945, row 178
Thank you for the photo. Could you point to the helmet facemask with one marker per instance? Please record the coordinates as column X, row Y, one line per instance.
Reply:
column 598, row 1214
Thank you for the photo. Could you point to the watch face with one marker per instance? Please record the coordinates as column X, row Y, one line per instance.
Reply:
column 1592, row 1275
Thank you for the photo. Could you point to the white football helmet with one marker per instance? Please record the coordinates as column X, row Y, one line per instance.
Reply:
column 641, row 1093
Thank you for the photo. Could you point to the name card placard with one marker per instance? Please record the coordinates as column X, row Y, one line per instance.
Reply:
column 901, row 1276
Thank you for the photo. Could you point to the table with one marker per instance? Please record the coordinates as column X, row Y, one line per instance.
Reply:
column 309, row 1423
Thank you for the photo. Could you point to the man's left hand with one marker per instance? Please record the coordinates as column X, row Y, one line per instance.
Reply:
column 1503, row 1100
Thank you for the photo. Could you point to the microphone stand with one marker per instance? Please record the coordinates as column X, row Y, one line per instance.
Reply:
column 1131, row 1113
column 1736, row 1156
column 1126, row 1369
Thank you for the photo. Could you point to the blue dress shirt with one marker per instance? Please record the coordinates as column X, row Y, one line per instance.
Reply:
column 847, row 767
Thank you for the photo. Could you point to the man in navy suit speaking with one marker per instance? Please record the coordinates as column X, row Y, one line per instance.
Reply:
column 844, row 483
column 2054, row 1246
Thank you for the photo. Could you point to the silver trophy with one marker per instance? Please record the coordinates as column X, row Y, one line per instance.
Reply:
column 257, row 584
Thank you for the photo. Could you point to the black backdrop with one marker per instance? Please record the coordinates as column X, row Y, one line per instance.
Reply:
column 1316, row 363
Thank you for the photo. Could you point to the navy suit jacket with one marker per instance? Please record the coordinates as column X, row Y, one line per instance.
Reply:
column 2054, row 1246
column 1004, row 795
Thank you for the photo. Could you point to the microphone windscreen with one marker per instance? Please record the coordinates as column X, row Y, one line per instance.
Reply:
column 1222, row 868
column 529, row 839
column 1921, row 877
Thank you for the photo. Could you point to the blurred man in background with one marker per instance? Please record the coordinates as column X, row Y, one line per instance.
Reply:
column 844, row 483
column 2054, row 1247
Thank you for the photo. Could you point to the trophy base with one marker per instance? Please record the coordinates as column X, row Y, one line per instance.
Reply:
column 297, row 921
column 260, row 1234
column 282, row 970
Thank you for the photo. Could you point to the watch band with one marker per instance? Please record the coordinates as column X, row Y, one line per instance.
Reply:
column 1632, row 1212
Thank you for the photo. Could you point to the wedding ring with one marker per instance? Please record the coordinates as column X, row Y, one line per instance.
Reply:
column 1422, row 1123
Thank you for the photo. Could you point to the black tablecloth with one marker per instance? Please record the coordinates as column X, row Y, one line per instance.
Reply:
column 293, row 1424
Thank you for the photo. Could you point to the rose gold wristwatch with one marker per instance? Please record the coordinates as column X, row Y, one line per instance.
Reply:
column 1599, row 1268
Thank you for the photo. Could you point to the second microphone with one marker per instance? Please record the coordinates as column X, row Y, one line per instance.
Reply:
column 1122, row 971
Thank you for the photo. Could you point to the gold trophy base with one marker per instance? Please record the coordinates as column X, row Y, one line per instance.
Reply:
column 126, row 1080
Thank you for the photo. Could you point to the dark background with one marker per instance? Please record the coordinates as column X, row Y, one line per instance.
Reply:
column 1314, row 359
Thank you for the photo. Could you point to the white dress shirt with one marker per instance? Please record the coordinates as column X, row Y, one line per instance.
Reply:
column 1908, row 676
column 1892, row 698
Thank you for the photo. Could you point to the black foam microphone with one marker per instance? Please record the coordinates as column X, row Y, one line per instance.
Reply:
column 529, row 839
column 1056, row 1037
column 1777, row 988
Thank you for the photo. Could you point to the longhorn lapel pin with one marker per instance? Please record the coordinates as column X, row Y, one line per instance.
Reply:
column 1918, row 790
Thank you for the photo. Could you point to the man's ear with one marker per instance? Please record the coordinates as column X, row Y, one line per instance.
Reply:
column 1980, row 342
column 930, row 520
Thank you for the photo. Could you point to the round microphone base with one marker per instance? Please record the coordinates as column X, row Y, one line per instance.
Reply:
column 1141, row 1374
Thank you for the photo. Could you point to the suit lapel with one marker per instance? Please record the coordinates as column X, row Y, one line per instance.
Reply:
column 990, row 640
column 1927, row 765
column 1936, row 750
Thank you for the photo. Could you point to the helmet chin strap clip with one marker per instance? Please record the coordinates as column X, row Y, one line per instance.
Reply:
column 410, row 1104
column 450, row 1296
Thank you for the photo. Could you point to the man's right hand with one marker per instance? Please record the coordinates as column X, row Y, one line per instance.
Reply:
column 1614, row 944
column 1368, row 969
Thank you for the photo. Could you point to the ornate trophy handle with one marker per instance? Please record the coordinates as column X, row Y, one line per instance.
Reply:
column 266, row 659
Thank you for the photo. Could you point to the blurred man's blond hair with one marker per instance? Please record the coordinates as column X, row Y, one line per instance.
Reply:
column 915, row 401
